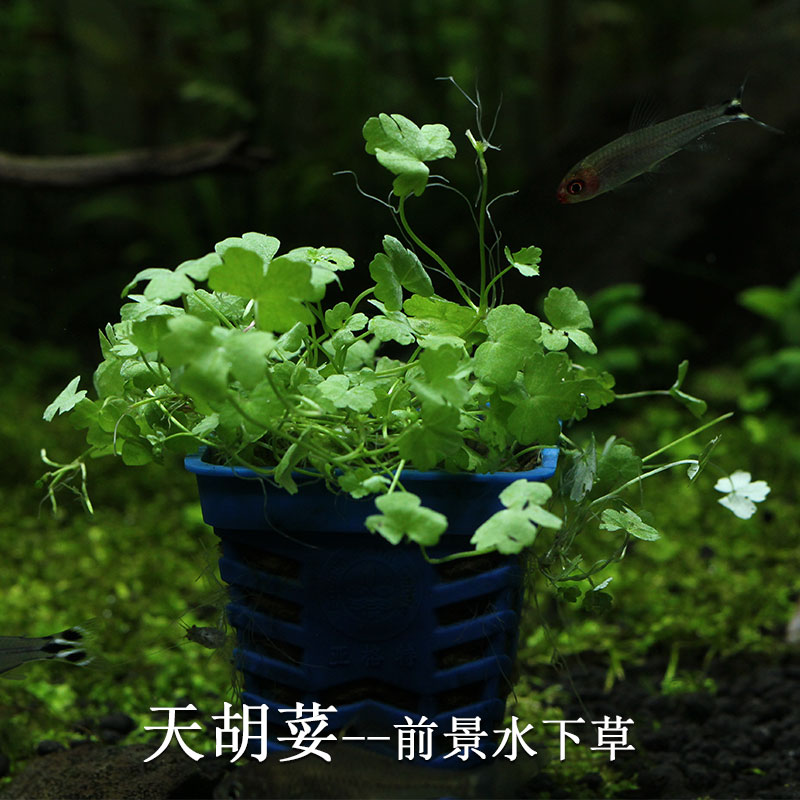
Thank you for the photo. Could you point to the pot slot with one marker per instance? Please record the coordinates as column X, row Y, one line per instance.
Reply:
column 467, row 567
column 469, row 608
column 271, row 605
column 265, row 561
column 368, row 689
column 464, row 653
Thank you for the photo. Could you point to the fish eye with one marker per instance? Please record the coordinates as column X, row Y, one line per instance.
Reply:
column 575, row 187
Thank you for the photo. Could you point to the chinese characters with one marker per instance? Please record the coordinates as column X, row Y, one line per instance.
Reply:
column 414, row 739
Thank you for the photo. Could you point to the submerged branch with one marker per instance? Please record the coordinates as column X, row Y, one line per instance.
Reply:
column 173, row 161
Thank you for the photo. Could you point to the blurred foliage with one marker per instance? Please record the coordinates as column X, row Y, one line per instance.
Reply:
column 635, row 342
column 773, row 355
column 143, row 562
column 763, row 372
column 712, row 586
column 640, row 346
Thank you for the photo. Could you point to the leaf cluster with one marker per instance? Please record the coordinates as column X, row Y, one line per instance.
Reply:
column 772, row 366
column 243, row 352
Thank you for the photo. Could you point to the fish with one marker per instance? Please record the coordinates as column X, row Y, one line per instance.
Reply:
column 71, row 645
column 642, row 150
column 358, row 772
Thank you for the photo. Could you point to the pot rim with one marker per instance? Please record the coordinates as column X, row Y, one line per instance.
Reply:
column 196, row 463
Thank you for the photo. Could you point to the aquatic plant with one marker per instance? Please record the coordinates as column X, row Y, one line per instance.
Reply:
column 241, row 352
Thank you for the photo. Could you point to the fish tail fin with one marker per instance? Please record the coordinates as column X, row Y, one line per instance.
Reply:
column 740, row 92
column 81, row 644
column 764, row 125
column 72, row 645
column 734, row 109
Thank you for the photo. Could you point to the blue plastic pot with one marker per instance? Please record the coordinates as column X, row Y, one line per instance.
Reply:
column 326, row 611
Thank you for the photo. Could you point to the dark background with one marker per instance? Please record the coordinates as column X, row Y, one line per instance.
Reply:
column 300, row 78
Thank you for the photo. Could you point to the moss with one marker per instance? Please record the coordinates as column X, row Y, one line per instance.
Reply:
column 714, row 585
column 135, row 567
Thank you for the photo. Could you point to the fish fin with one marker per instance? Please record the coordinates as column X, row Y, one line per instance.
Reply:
column 73, row 645
column 646, row 112
column 764, row 125
column 80, row 644
column 734, row 109
column 740, row 91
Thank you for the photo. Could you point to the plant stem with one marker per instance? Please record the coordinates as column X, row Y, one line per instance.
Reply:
column 283, row 401
column 60, row 476
column 213, row 309
column 360, row 297
column 396, row 476
column 645, row 393
column 497, row 277
column 158, row 376
column 435, row 256
column 641, row 477
column 687, row 436
column 456, row 556
column 516, row 457
column 479, row 149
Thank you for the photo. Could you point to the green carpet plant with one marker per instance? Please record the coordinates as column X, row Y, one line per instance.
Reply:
column 242, row 352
